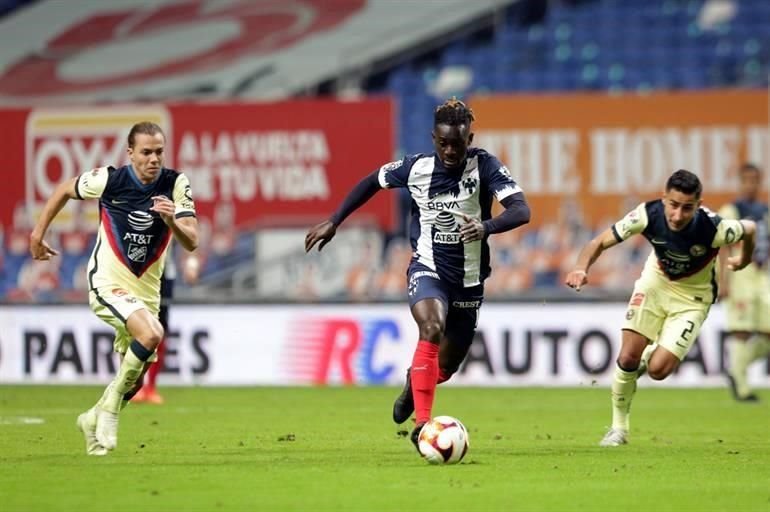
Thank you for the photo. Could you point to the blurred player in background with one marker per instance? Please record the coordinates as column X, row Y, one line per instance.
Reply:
column 672, row 297
column 452, row 191
column 747, row 293
column 148, row 392
column 142, row 205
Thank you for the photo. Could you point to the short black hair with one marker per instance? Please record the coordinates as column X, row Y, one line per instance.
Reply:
column 453, row 112
column 145, row 127
column 686, row 182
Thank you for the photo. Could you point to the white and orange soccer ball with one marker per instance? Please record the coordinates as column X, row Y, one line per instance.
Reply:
column 443, row 440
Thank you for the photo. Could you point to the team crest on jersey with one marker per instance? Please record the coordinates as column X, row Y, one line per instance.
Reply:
column 698, row 250
column 469, row 184
column 137, row 253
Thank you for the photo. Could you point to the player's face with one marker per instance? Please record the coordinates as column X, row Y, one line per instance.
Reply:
column 451, row 143
column 147, row 156
column 750, row 183
column 680, row 208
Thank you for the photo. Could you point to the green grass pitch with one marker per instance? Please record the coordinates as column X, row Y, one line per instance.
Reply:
column 336, row 449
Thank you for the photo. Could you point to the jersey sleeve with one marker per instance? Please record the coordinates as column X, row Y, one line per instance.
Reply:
column 728, row 232
column 501, row 183
column 91, row 184
column 632, row 224
column 396, row 174
column 183, row 201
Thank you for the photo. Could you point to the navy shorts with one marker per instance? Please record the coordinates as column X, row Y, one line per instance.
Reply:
column 462, row 304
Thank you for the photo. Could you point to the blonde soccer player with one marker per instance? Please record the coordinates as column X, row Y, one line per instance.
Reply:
column 142, row 206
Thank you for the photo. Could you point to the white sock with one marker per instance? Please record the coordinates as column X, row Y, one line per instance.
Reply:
column 128, row 373
column 623, row 390
column 740, row 356
column 646, row 355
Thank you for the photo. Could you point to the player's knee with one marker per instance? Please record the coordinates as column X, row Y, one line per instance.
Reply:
column 431, row 330
column 629, row 362
column 153, row 337
column 660, row 371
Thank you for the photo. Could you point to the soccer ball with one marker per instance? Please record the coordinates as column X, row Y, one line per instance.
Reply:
column 443, row 440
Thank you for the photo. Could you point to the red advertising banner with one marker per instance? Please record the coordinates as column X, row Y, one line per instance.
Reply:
column 286, row 163
column 597, row 155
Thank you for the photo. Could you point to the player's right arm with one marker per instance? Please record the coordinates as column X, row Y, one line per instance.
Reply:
column 38, row 247
column 632, row 224
column 391, row 175
column 588, row 255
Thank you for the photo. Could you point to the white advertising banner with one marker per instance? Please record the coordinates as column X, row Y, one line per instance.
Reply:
column 516, row 345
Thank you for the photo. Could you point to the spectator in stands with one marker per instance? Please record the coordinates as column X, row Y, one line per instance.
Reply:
column 452, row 191
column 747, row 293
column 673, row 296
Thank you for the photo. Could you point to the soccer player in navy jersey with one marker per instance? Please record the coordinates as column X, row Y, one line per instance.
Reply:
column 142, row 205
column 747, row 294
column 451, row 190
column 672, row 297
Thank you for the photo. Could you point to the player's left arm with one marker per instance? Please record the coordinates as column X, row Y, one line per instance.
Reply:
column 742, row 232
column 508, row 193
column 179, row 214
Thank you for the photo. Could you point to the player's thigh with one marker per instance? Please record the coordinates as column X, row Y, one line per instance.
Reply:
column 681, row 329
column 428, row 301
column 462, row 320
column 763, row 305
column 145, row 327
column 115, row 306
column 646, row 311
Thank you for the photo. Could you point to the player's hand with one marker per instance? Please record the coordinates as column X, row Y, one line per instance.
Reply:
column 322, row 232
column 576, row 279
column 165, row 208
column 40, row 249
column 191, row 270
column 736, row 262
column 472, row 230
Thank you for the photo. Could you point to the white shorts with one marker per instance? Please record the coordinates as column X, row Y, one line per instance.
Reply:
column 672, row 320
column 114, row 305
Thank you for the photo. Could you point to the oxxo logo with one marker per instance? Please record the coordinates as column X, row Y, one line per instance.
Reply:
column 342, row 349
column 63, row 143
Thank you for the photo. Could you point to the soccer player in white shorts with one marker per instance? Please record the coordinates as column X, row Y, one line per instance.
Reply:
column 747, row 294
column 672, row 297
column 141, row 205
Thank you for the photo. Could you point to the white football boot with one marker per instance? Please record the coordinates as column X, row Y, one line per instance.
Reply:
column 107, row 429
column 614, row 437
column 86, row 423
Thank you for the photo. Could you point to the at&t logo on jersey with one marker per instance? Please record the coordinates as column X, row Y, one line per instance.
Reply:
column 447, row 230
column 341, row 349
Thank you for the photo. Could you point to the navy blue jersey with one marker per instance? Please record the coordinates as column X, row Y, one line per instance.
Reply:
column 132, row 241
column 440, row 199
column 680, row 254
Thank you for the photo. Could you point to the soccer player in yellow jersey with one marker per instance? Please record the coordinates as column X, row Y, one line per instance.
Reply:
column 142, row 205
column 672, row 297
column 747, row 293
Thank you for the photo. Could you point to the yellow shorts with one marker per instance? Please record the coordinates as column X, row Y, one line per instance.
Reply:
column 114, row 305
column 748, row 304
column 672, row 320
